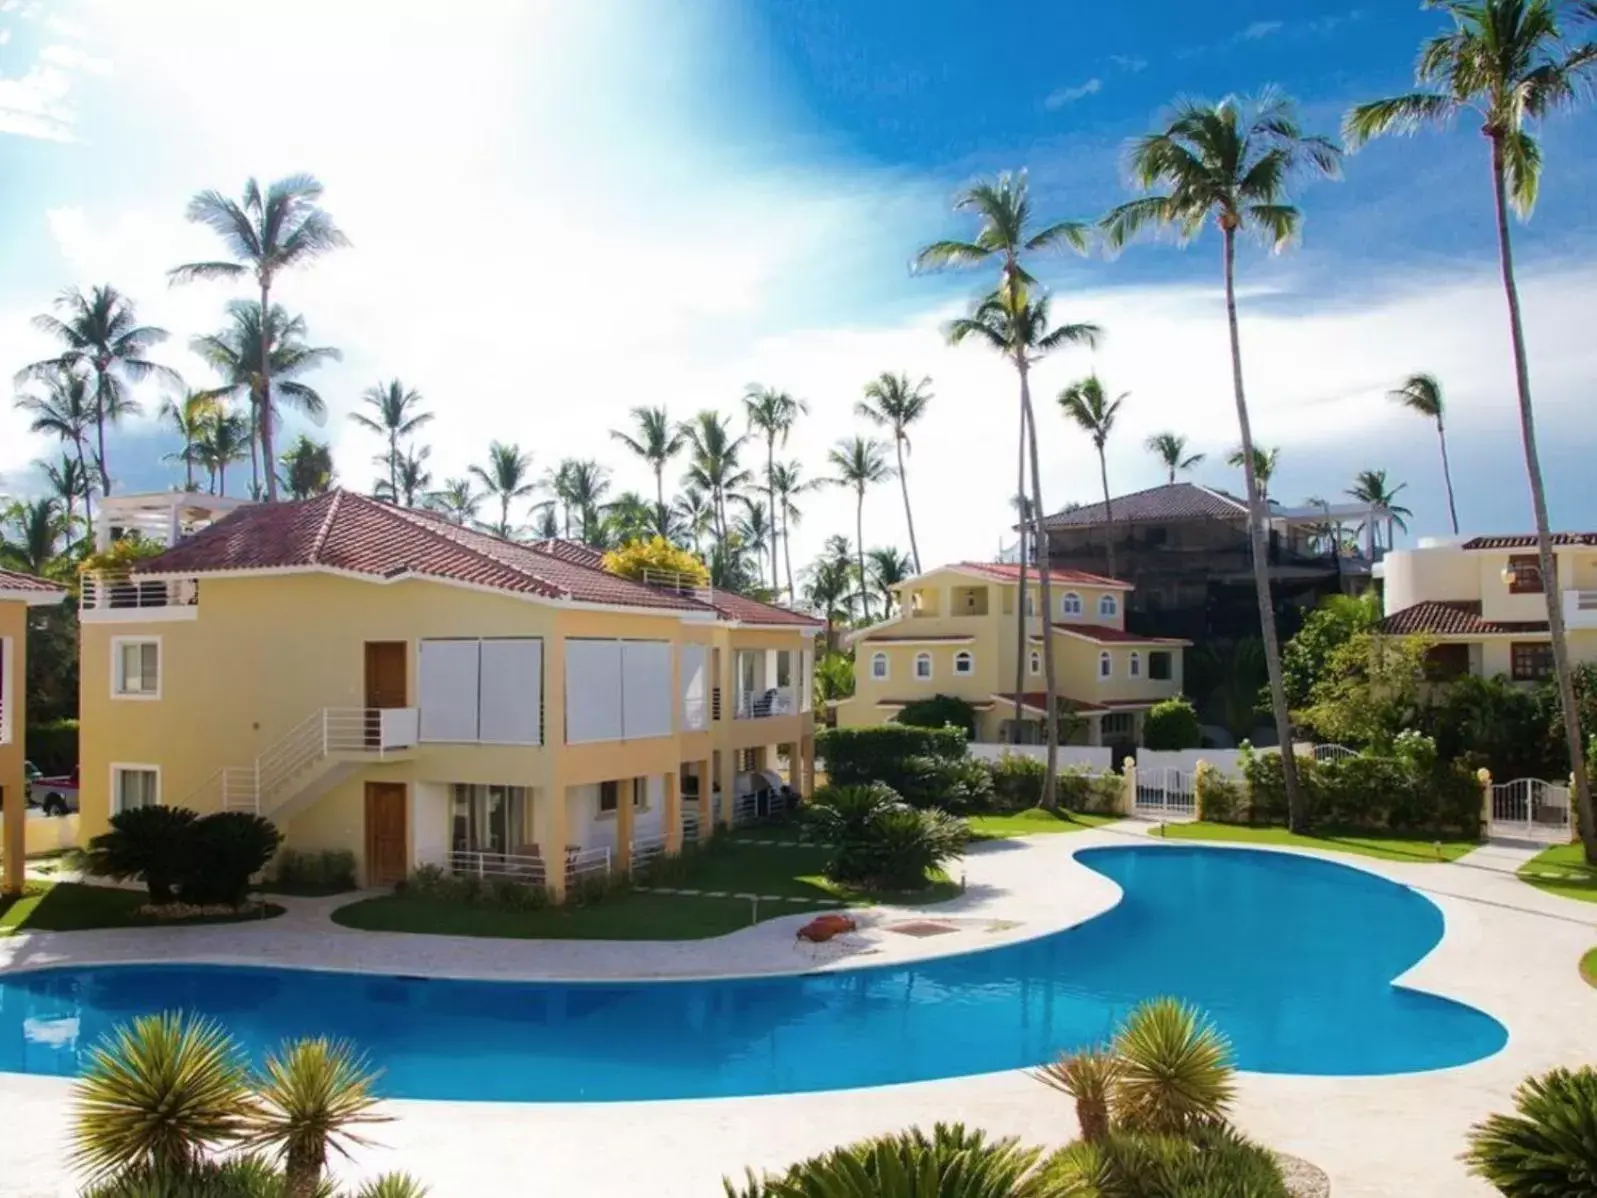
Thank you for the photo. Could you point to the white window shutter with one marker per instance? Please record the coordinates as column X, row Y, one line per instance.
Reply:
column 512, row 692
column 447, row 687
column 646, row 689
column 593, row 691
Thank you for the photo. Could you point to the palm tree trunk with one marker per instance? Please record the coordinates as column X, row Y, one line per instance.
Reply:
column 88, row 488
column 859, row 546
column 787, row 555
column 1297, row 810
column 909, row 516
column 1544, row 540
column 255, row 432
column 770, row 499
column 188, row 460
column 659, row 498
column 268, row 460
column 393, row 467
column 1108, row 510
column 99, row 436
column 221, row 478
column 1447, row 475
column 1050, row 797
column 1020, row 595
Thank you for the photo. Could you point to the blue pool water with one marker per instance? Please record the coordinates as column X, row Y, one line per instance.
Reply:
column 1293, row 957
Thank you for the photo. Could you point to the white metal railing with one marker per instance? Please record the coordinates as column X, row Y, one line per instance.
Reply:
column 112, row 590
column 745, row 809
column 585, row 863
column 690, row 825
column 512, row 866
column 772, row 701
column 1531, row 809
column 646, row 848
column 1328, row 753
column 1168, row 795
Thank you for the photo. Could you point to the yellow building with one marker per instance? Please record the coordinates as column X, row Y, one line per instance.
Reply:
column 18, row 592
column 956, row 631
column 380, row 680
column 1482, row 601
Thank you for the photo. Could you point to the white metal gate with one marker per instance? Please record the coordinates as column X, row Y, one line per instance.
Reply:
column 1168, row 794
column 1530, row 809
column 1329, row 753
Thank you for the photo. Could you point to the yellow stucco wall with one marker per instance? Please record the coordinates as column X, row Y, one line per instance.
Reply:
column 14, row 637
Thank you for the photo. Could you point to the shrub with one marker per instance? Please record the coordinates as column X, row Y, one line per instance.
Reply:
column 223, row 851
column 880, row 840
column 310, row 1096
column 1213, row 1162
column 1549, row 1144
column 870, row 754
column 1017, row 782
column 53, row 745
column 1267, row 786
column 940, row 711
column 842, row 815
column 960, row 786
column 1176, row 1073
column 330, row 871
column 1079, row 789
column 1172, row 724
column 149, row 844
column 426, row 881
column 658, row 556
column 1220, row 799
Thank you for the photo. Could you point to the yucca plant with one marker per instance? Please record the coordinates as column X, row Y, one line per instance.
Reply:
column 950, row 1163
column 157, row 1094
column 392, row 1185
column 1176, row 1072
column 1214, row 1162
column 1090, row 1078
column 239, row 1177
column 312, row 1094
column 1549, row 1145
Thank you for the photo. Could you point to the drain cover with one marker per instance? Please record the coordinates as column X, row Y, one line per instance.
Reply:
column 921, row 928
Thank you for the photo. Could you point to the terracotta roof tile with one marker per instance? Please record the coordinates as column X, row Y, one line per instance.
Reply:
column 1114, row 636
column 1173, row 501
column 14, row 581
column 912, row 638
column 1528, row 540
column 752, row 611
column 1435, row 617
column 1010, row 572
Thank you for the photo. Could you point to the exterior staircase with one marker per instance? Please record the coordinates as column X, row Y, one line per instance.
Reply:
column 323, row 750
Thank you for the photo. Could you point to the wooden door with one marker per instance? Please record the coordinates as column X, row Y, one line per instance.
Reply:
column 385, row 833
column 385, row 683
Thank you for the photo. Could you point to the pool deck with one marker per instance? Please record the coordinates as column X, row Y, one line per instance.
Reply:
column 1509, row 949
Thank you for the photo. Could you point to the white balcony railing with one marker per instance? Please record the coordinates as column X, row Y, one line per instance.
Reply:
column 773, row 701
column 1580, row 609
column 646, row 848
column 111, row 595
column 498, row 866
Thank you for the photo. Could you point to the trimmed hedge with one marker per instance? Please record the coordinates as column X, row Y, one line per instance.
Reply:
column 1370, row 794
column 940, row 711
column 1172, row 725
column 53, row 746
column 856, row 755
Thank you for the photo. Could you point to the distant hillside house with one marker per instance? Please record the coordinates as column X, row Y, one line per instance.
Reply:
column 1186, row 551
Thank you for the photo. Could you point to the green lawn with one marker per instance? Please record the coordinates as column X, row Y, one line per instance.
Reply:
column 73, row 907
column 1588, row 967
column 1562, row 870
column 739, row 865
column 1392, row 847
column 1033, row 822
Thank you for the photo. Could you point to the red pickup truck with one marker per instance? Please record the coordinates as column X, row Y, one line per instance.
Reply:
column 56, row 795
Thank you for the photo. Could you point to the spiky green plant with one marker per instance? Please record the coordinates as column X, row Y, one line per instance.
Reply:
column 1176, row 1071
column 1214, row 1162
column 1549, row 1145
column 392, row 1185
column 157, row 1093
column 1089, row 1077
column 312, row 1095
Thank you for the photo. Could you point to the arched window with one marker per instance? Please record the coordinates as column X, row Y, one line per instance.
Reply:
column 1108, row 607
column 1070, row 605
column 1035, row 663
column 1106, row 665
column 923, row 665
column 878, row 666
column 964, row 663
column 1134, row 666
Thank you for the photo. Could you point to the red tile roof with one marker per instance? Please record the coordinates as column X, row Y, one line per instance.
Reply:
column 912, row 638
column 752, row 611
column 1105, row 635
column 14, row 583
column 1528, row 540
column 1171, row 502
column 1435, row 617
column 1010, row 572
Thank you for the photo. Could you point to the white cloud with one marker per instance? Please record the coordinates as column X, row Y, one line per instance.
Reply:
column 1129, row 62
column 34, row 105
column 1069, row 95
column 72, row 58
column 1259, row 30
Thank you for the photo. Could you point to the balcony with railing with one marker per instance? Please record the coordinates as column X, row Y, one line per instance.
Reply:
column 118, row 597
column 767, row 704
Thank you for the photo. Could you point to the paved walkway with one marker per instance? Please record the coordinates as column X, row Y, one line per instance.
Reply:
column 1509, row 949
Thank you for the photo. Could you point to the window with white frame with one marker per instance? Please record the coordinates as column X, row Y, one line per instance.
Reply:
column 1106, row 665
column 1108, row 607
column 879, row 666
column 923, row 665
column 134, row 786
column 136, row 668
column 1134, row 665
column 1070, row 605
column 964, row 663
column 1034, row 662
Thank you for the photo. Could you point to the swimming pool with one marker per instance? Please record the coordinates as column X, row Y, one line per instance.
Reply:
column 1293, row 956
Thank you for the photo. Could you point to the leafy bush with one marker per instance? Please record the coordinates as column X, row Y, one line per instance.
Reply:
column 1503, row 724
column 223, row 851
column 1267, row 786
column 494, row 893
column 857, row 755
column 657, row 556
column 1408, row 791
column 881, row 841
column 53, row 746
column 1212, row 1162
column 148, row 844
column 330, row 871
column 940, row 711
column 1080, row 789
column 1549, row 1144
column 1017, row 782
column 960, row 786
column 1172, row 724
column 1220, row 798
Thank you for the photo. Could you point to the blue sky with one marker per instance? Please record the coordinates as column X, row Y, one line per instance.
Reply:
column 559, row 212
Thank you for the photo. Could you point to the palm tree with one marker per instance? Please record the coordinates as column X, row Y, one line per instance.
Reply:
column 189, row 418
column 1087, row 404
column 1004, row 209
column 579, row 486
column 1509, row 63
column 396, row 415
column 788, row 481
column 754, row 530
column 1171, row 450
column 1371, row 487
column 1233, row 162
column 860, row 465
column 657, row 441
column 65, row 410
column 893, row 402
column 1423, row 394
column 1017, row 326
column 457, row 501
column 545, row 524
column 307, row 468
column 1264, row 463
column 888, row 567
column 235, row 354
column 312, row 1095
column 829, row 590
column 413, row 477
column 225, row 439
column 627, row 518
column 773, row 413
column 100, row 336
column 697, row 516
column 265, row 234
column 39, row 525
column 71, row 482
column 507, row 476
column 714, row 467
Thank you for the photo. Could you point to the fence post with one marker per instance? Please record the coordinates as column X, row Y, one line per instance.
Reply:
column 1484, row 777
column 1198, row 771
column 1128, row 792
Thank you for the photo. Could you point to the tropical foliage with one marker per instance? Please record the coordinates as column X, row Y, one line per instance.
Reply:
column 1548, row 1145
